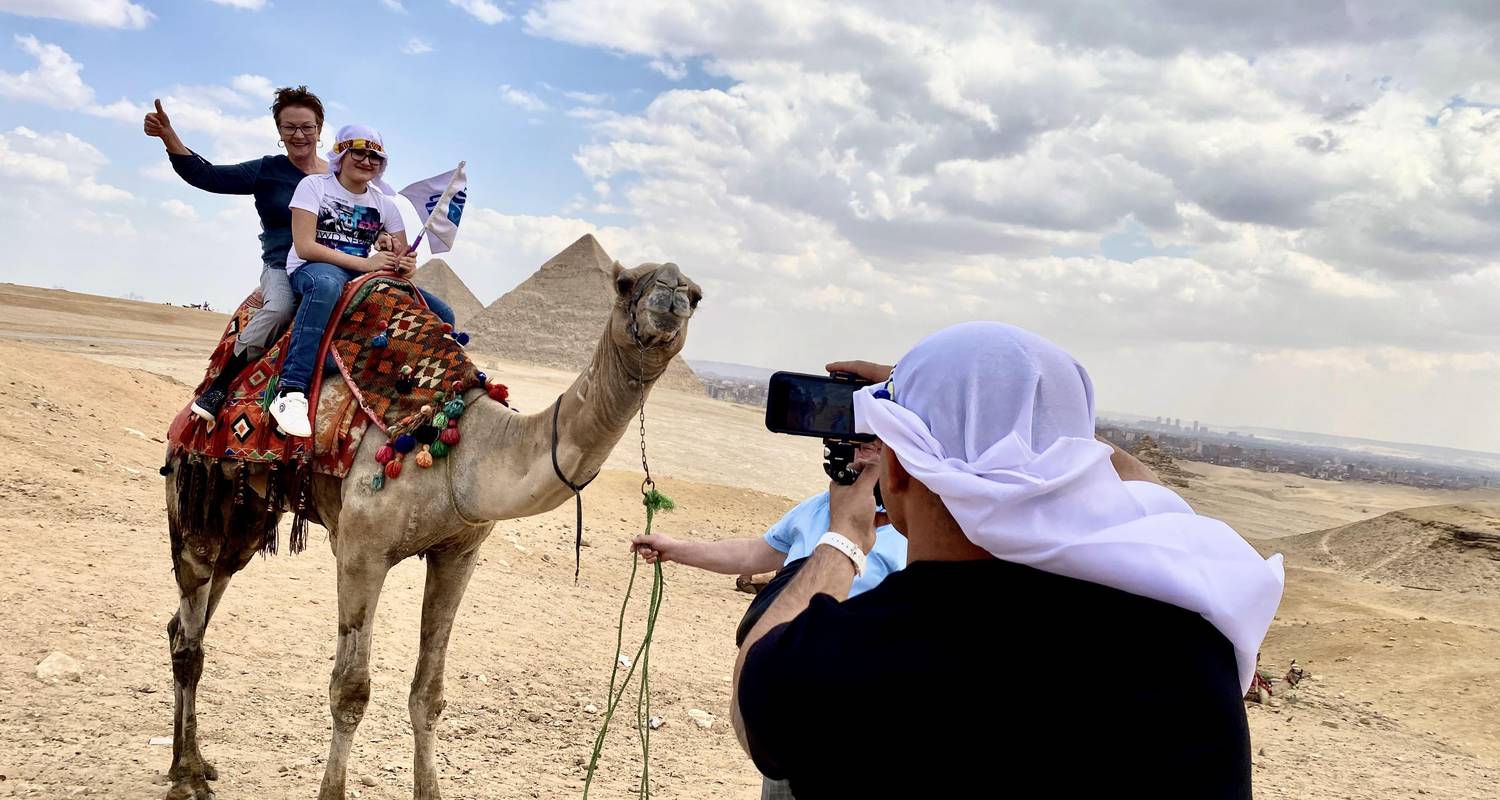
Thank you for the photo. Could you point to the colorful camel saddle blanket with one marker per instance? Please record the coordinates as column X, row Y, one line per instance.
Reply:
column 386, row 360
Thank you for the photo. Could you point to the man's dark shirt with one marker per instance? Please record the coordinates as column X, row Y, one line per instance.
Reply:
column 991, row 679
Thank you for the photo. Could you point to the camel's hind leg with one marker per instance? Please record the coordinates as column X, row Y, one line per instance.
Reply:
column 448, row 573
column 204, row 560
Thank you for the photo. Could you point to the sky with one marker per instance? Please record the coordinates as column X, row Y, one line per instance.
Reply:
column 1277, row 213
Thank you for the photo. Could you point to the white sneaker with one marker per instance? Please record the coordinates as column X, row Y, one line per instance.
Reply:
column 290, row 413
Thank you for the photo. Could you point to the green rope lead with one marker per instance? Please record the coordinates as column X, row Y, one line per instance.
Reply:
column 654, row 501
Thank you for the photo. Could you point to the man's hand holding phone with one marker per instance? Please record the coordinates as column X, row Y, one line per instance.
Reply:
column 851, row 509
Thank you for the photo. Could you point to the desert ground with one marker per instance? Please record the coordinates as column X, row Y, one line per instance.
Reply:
column 1396, row 616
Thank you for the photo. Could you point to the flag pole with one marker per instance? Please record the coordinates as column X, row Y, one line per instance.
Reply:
column 447, row 195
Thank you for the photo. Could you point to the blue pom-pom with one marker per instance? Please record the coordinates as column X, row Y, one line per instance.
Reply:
column 380, row 340
column 881, row 394
column 482, row 378
column 404, row 443
column 463, row 339
column 454, row 409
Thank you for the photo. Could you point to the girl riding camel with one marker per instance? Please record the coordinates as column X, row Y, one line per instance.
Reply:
column 337, row 218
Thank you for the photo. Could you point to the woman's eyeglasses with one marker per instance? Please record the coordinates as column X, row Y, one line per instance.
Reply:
column 367, row 156
column 293, row 130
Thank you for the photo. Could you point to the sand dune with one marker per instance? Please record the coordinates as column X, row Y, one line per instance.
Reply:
column 1403, row 700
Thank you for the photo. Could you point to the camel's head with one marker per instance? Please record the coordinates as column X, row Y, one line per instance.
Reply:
column 653, row 303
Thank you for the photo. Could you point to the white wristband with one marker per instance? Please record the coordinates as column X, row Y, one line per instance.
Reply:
column 842, row 543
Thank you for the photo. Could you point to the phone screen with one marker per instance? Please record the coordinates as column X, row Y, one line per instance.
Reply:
column 812, row 405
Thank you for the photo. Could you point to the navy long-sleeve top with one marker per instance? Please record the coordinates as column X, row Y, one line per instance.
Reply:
column 271, row 179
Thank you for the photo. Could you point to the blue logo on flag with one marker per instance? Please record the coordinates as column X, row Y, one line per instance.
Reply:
column 455, row 206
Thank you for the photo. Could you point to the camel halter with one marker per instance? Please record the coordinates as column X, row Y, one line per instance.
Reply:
column 647, row 485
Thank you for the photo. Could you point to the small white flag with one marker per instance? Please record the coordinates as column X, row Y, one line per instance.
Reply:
column 442, row 199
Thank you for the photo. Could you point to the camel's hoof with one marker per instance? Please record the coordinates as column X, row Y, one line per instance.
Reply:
column 191, row 788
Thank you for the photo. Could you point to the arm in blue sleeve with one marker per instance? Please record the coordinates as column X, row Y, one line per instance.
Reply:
column 225, row 179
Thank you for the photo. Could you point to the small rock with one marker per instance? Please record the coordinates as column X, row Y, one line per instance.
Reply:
column 655, row 723
column 59, row 666
column 157, row 741
column 701, row 718
column 590, row 709
column 1328, row 723
column 625, row 661
column 369, row 780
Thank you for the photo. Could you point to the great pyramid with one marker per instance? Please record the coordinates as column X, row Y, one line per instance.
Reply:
column 556, row 316
column 437, row 277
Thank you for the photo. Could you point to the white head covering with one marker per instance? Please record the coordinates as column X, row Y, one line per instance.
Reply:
column 999, row 423
column 365, row 137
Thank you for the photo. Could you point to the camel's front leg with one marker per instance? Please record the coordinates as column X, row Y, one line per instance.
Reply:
column 360, row 579
column 448, row 574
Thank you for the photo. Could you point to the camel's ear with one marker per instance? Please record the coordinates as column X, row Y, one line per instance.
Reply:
column 622, row 280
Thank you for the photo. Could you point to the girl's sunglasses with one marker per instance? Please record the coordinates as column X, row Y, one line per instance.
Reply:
column 367, row 156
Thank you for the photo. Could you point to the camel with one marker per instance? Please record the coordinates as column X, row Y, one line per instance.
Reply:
column 504, row 470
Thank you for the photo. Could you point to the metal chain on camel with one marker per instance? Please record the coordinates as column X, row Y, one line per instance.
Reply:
column 654, row 501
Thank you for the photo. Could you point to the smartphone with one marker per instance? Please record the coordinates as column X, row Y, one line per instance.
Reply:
column 813, row 405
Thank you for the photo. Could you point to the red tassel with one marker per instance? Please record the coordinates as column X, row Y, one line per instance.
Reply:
column 499, row 393
column 384, row 454
column 449, row 436
column 393, row 469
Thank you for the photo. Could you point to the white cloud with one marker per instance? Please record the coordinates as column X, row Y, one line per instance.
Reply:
column 57, row 81
column 591, row 113
column 246, row 5
column 394, row 5
column 482, row 10
column 587, row 98
column 416, row 46
column 179, row 210
column 521, row 98
column 103, row 13
column 672, row 70
column 58, row 161
column 256, row 88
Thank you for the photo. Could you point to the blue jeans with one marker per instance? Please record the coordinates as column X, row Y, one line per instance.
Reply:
column 320, row 286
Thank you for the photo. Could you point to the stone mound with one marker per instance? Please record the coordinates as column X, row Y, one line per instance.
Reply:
column 437, row 277
column 556, row 316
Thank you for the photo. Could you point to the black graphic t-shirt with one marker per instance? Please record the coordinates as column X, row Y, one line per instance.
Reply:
column 348, row 223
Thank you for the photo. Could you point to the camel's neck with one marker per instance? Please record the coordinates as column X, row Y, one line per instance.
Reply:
column 504, row 468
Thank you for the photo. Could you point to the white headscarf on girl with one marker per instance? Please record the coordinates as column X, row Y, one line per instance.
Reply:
column 999, row 423
column 363, row 137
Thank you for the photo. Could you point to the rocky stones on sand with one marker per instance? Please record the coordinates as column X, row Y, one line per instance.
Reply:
column 701, row 718
column 59, row 666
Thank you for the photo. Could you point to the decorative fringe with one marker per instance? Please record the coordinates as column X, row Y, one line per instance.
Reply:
column 303, row 481
column 241, row 484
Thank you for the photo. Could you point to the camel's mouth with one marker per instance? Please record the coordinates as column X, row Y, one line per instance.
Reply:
column 665, row 308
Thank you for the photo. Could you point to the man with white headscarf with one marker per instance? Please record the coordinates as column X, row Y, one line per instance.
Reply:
column 1020, row 652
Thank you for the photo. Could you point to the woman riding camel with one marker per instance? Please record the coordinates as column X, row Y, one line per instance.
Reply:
column 298, row 114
